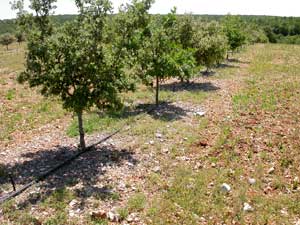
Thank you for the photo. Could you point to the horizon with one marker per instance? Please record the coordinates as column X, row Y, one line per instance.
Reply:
column 286, row 8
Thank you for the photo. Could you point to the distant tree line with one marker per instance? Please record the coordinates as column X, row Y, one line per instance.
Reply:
column 263, row 28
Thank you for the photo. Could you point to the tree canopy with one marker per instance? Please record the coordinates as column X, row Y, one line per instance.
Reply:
column 75, row 61
column 7, row 39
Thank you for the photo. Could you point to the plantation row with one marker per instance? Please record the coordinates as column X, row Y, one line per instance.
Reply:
column 89, row 61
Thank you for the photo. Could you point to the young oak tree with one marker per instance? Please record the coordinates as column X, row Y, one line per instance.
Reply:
column 210, row 43
column 129, row 29
column 74, row 61
column 233, row 28
column 7, row 39
column 186, row 31
column 162, row 56
column 20, row 37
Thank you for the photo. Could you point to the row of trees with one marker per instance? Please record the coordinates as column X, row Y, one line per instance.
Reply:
column 89, row 61
column 7, row 38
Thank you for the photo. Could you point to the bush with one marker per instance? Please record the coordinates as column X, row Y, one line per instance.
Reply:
column 7, row 39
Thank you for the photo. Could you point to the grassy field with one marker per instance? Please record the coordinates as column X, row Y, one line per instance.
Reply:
column 250, row 131
column 22, row 109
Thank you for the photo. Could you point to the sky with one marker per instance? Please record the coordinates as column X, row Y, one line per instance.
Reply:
column 242, row 7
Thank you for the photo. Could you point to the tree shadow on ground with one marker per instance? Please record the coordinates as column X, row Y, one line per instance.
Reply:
column 85, row 170
column 233, row 60
column 225, row 65
column 194, row 87
column 208, row 73
column 165, row 111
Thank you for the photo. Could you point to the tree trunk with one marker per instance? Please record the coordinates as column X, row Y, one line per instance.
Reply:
column 157, row 91
column 81, row 131
column 227, row 55
column 6, row 47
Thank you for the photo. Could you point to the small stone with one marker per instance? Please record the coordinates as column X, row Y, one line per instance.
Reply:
column 200, row 113
column 271, row 170
column 231, row 172
column 98, row 215
column 203, row 143
column 130, row 165
column 202, row 219
column 165, row 150
column 113, row 217
column 156, row 169
column 73, row 203
column 213, row 165
column 247, row 207
column 158, row 135
column 78, row 210
column 225, row 188
column 198, row 165
column 131, row 218
column 284, row 212
column 151, row 142
column 71, row 213
column 251, row 181
column 122, row 187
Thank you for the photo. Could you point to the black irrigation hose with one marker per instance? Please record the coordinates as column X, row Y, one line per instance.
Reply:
column 63, row 164
column 53, row 170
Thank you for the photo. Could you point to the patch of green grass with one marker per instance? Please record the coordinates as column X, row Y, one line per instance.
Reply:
column 26, row 116
column 94, row 122
column 59, row 199
column 123, row 212
column 136, row 202
column 194, row 195
column 57, row 219
column 11, row 213
column 10, row 94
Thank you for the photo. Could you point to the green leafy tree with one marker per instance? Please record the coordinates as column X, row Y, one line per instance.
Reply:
column 7, row 39
column 75, row 62
column 129, row 29
column 233, row 27
column 255, row 34
column 186, row 32
column 210, row 44
column 20, row 37
column 162, row 56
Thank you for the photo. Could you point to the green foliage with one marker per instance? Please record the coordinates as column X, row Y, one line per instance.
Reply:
column 233, row 27
column 6, row 39
column 162, row 56
column 210, row 43
column 74, row 61
column 128, row 31
column 255, row 34
column 137, row 202
column 20, row 37
column 186, row 31
column 10, row 94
